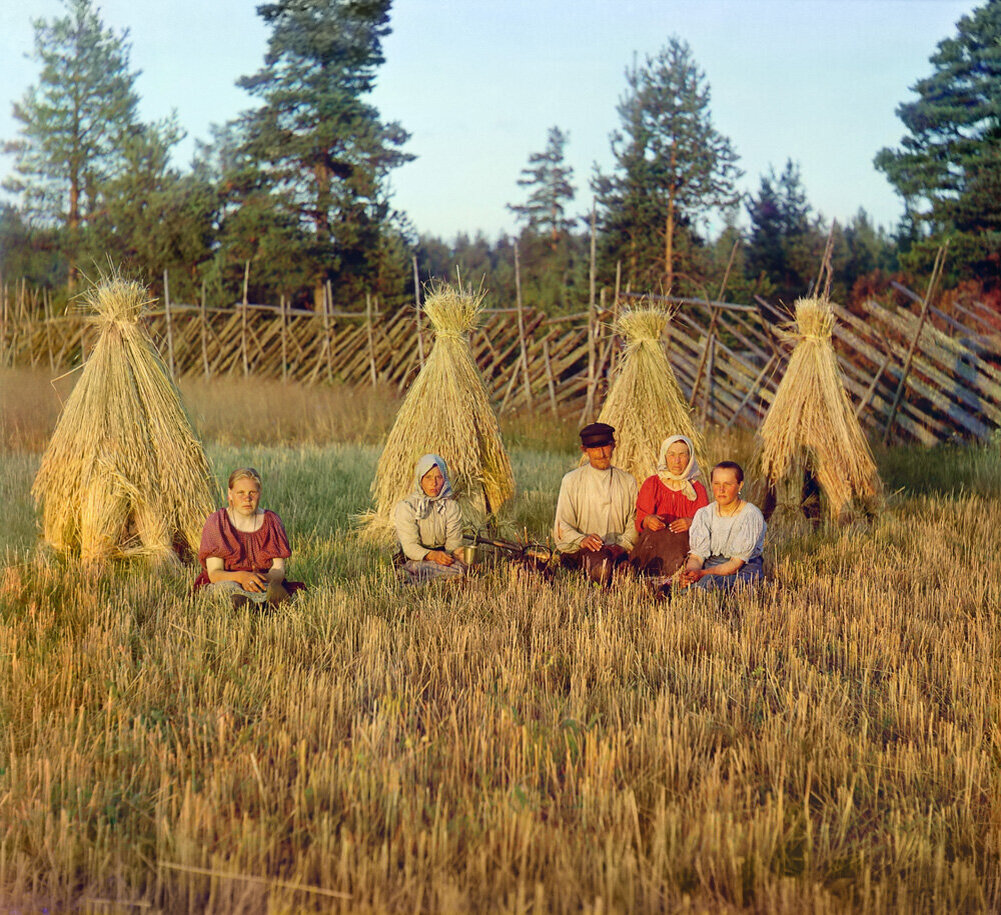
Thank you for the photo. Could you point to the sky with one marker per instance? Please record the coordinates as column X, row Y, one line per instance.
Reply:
column 478, row 83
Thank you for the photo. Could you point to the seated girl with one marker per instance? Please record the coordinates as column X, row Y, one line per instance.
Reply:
column 429, row 525
column 665, row 506
column 725, row 538
column 244, row 547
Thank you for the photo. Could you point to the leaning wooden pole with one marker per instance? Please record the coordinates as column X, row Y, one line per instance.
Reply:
column 523, row 349
column 417, row 310
column 373, row 375
column 203, row 321
column 170, row 332
column 714, row 313
column 328, row 307
column 936, row 273
column 243, row 319
column 47, row 303
column 592, row 283
column 282, row 306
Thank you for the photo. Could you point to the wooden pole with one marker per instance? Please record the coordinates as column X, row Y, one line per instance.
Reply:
column 3, row 323
column 593, row 270
column 714, row 313
column 328, row 307
column 373, row 375
column 592, row 281
column 243, row 319
column 755, row 387
column 170, row 333
column 204, row 332
column 864, row 402
column 284, row 340
column 617, row 346
column 936, row 274
column 523, row 357
column 550, row 381
column 417, row 309
column 707, row 396
column 47, row 305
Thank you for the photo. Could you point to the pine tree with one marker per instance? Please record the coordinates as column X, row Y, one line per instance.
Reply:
column 550, row 180
column 671, row 165
column 324, row 148
column 948, row 166
column 73, row 121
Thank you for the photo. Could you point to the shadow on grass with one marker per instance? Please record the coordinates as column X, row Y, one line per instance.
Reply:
column 942, row 470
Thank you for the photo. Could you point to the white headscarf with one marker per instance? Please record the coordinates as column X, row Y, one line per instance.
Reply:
column 423, row 503
column 680, row 482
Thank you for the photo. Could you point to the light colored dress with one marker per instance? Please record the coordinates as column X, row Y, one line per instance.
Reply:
column 601, row 502
column 715, row 539
column 424, row 523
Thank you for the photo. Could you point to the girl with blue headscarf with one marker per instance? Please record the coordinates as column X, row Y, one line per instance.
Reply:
column 429, row 525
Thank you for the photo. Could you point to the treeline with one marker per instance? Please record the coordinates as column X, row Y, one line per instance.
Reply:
column 294, row 193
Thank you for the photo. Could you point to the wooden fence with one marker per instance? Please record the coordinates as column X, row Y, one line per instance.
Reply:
column 915, row 373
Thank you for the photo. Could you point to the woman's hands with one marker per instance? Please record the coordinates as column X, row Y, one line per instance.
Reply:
column 656, row 523
column 689, row 576
column 250, row 581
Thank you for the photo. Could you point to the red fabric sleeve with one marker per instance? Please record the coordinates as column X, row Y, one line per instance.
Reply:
column 646, row 500
column 217, row 540
column 275, row 542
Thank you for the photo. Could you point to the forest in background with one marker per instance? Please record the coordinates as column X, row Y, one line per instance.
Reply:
column 297, row 187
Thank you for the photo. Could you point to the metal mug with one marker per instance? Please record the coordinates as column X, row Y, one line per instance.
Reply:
column 469, row 554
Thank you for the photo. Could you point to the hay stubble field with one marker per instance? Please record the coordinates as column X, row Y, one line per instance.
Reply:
column 829, row 743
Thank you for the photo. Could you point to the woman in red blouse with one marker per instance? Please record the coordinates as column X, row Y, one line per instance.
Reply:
column 665, row 506
column 244, row 547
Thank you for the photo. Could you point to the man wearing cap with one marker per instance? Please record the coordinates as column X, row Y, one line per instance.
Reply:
column 594, row 527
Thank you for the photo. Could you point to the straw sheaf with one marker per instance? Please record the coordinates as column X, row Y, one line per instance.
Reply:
column 123, row 474
column 447, row 412
column 812, row 413
column 645, row 404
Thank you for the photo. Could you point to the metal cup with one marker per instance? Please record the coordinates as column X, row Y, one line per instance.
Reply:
column 469, row 554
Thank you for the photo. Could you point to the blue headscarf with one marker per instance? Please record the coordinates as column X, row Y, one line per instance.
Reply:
column 423, row 502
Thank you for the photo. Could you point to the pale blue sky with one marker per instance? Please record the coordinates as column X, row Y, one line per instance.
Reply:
column 478, row 84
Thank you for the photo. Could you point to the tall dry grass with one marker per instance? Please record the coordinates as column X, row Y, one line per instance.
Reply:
column 829, row 743
column 228, row 410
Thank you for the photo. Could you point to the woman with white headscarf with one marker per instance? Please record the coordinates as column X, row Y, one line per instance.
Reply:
column 665, row 506
column 429, row 525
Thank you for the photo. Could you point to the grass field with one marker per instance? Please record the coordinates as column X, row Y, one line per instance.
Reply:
column 829, row 743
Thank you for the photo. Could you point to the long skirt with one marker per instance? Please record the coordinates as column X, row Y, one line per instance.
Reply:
column 748, row 575
column 421, row 571
column 232, row 589
column 659, row 554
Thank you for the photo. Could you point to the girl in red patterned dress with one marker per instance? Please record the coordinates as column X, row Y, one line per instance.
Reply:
column 244, row 547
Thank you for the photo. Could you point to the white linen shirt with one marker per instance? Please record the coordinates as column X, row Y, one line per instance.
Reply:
column 601, row 502
column 715, row 538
